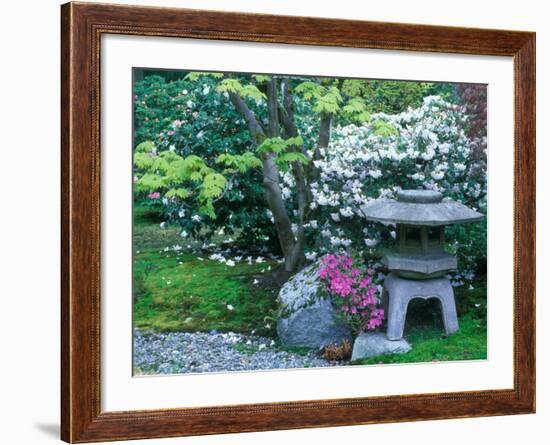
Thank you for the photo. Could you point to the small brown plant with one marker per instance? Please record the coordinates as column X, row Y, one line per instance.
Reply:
column 336, row 352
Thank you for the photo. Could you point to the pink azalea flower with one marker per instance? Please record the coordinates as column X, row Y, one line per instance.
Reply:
column 358, row 296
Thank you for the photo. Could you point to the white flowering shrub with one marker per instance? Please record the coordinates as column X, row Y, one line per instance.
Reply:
column 426, row 147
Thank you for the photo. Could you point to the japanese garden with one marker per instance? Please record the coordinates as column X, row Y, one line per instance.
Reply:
column 285, row 221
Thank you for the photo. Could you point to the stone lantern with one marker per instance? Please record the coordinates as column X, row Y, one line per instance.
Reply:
column 419, row 264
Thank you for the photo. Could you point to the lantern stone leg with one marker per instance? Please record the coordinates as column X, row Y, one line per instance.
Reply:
column 400, row 291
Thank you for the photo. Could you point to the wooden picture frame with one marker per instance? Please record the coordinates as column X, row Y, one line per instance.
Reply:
column 82, row 25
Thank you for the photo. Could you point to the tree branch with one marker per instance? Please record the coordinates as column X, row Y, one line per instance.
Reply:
column 254, row 127
column 272, row 108
column 287, row 111
column 296, row 259
column 289, row 124
column 323, row 140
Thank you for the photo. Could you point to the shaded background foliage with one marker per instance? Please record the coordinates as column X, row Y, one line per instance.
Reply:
column 158, row 100
column 210, row 126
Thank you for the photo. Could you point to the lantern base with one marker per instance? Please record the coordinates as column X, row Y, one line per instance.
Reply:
column 400, row 291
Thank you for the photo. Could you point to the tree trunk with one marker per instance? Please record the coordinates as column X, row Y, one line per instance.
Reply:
column 292, row 245
column 276, row 203
column 272, row 188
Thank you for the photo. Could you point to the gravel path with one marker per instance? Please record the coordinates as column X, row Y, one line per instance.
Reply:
column 186, row 352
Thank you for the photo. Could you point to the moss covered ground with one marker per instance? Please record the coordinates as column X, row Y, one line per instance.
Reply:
column 186, row 291
column 424, row 330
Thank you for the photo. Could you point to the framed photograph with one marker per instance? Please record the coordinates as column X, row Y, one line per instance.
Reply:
column 274, row 222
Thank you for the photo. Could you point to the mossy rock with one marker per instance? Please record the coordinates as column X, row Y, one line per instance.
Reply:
column 307, row 316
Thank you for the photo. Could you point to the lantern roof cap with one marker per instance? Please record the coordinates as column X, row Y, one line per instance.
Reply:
column 420, row 208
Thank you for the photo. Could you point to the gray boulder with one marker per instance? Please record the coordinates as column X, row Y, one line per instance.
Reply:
column 371, row 344
column 306, row 317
